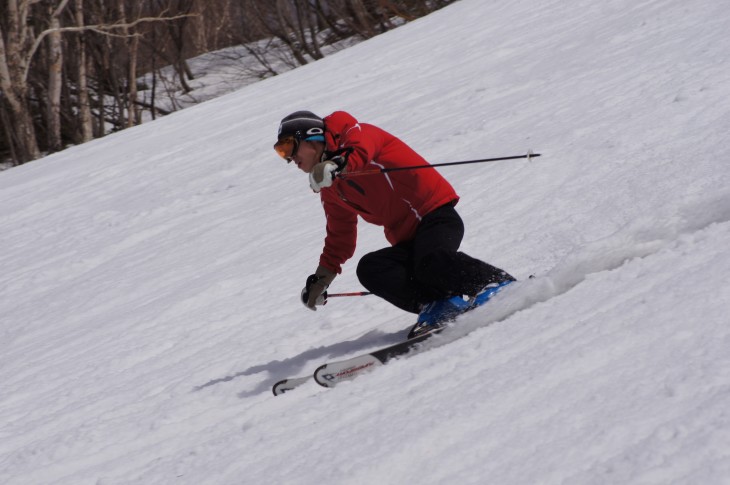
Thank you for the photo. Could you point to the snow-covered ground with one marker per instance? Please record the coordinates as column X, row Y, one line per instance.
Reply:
column 150, row 279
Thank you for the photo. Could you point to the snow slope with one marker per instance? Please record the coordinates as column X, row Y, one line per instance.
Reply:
column 150, row 279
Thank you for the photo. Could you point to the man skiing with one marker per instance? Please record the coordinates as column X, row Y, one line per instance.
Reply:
column 422, row 271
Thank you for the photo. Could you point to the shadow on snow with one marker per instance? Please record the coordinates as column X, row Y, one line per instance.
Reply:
column 291, row 367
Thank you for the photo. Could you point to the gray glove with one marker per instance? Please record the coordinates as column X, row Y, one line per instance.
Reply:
column 315, row 291
column 324, row 173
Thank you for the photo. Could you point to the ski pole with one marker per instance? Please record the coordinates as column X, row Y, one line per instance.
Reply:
column 354, row 293
column 528, row 156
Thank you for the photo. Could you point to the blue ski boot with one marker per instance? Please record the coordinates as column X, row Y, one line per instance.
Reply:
column 487, row 293
column 437, row 312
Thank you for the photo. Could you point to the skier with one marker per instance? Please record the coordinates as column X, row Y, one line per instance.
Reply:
column 422, row 271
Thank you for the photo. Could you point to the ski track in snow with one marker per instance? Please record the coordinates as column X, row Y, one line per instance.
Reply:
column 150, row 279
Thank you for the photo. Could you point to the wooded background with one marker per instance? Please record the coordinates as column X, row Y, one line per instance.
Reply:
column 70, row 70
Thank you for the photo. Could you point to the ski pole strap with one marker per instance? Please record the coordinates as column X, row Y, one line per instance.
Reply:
column 528, row 156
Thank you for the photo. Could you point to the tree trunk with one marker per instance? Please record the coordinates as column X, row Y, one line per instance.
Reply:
column 14, row 86
column 133, row 115
column 55, row 82
column 86, row 127
column 133, row 109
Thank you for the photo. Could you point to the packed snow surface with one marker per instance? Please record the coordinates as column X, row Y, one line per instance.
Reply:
column 150, row 279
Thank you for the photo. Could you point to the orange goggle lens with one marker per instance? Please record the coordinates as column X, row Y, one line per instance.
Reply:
column 285, row 147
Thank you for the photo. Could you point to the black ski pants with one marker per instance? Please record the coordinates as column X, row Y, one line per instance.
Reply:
column 429, row 267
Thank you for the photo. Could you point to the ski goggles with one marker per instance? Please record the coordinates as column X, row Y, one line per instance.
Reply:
column 286, row 147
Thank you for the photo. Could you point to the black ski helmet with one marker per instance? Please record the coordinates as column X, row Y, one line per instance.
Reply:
column 302, row 125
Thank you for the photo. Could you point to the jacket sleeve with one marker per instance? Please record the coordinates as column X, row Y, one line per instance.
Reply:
column 366, row 145
column 339, row 244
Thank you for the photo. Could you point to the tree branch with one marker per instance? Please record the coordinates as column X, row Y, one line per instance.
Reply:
column 104, row 29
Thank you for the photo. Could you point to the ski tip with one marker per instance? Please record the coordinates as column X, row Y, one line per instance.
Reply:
column 279, row 387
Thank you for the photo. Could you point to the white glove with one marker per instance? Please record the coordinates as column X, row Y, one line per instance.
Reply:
column 322, row 175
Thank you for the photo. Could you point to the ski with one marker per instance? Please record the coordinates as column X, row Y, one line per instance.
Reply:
column 333, row 373
column 285, row 385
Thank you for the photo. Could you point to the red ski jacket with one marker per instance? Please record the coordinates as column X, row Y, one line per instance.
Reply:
column 395, row 200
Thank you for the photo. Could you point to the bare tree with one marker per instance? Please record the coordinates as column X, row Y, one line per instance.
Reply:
column 25, row 25
column 15, row 42
column 304, row 27
column 84, row 106
column 55, row 81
